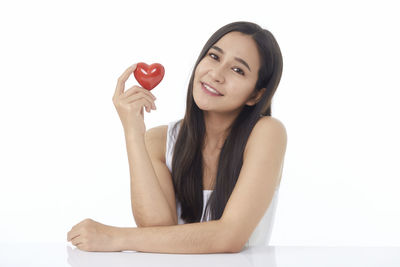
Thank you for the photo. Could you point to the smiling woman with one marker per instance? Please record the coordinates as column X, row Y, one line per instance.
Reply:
column 207, row 183
column 243, row 63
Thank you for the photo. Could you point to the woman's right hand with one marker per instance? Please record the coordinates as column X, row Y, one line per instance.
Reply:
column 129, row 104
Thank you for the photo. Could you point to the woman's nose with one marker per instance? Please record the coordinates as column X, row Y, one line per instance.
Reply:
column 217, row 74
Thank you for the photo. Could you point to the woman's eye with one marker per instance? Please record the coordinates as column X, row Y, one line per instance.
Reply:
column 211, row 55
column 214, row 56
column 240, row 71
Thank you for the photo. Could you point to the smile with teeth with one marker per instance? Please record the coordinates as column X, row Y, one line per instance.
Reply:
column 210, row 89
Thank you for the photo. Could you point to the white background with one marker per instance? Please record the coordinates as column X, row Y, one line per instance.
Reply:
column 62, row 148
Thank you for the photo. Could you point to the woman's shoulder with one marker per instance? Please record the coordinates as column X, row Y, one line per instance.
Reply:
column 269, row 122
column 156, row 139
column 267, row 127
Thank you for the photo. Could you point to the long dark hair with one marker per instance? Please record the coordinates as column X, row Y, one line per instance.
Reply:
column 187, row 161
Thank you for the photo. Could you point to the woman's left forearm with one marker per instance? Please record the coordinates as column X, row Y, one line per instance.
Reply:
column 192, row 238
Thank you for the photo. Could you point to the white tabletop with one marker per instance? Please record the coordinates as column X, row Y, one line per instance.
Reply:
column 64, row 254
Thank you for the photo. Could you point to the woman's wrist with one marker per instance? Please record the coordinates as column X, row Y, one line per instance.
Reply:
column 133, row 135
column 122, row 236
column 118, row 238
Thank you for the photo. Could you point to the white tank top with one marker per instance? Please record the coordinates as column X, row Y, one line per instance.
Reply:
column 261, row 234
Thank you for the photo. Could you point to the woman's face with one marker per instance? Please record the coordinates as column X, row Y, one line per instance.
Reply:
column 231, row 68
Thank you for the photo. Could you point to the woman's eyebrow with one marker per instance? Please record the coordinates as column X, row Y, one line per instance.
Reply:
column 236, row 58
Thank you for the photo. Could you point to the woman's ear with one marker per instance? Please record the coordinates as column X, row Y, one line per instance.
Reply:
column 256, row 96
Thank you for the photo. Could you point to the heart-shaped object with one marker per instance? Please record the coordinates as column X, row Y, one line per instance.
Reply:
column 149, row 76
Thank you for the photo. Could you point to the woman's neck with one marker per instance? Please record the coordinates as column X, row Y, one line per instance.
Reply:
column 216, row 132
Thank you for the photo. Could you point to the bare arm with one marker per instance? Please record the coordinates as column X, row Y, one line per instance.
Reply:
column 149, row 204
column 193, row 238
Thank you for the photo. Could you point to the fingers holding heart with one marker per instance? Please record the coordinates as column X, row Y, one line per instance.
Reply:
column 119, row 90
column 147, row 101
column 134, row 89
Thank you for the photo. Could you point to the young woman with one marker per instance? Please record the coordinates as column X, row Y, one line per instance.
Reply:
column 207, row 183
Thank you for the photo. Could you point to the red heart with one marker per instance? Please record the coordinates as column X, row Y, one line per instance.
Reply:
column 149, row 76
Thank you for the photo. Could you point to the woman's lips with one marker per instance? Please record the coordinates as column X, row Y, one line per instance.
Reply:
column 208, row 92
